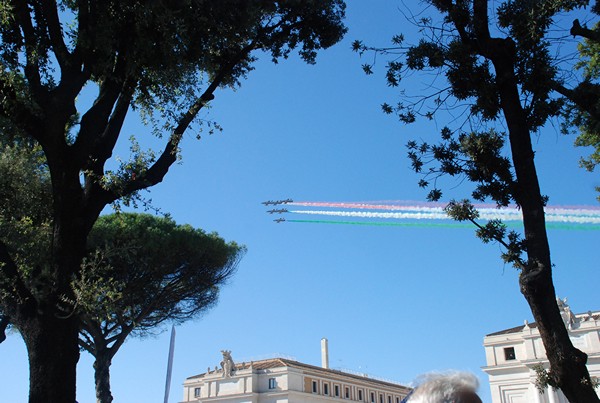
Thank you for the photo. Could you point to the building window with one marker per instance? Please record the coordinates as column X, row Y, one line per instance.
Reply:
column 314, row 386
column 197, row 392
column 380, row 398
column 360, row 396
column 347, row 393
column 372, row 397
column 397, row 399
column 272, row 383
column 336, row 390
column 509, row 353
column 389, row 399
column 325, row 388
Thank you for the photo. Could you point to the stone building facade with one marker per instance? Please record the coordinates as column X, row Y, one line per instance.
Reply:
column 280, row 380
column 512, row 355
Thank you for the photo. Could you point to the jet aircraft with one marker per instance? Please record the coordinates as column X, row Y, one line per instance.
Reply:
column 278, row 220
column 278, row 211
column 276, row 202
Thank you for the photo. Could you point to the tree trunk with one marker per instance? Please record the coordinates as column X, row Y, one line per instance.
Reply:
column 567, row 364
column 102, row 377
column 52, row 346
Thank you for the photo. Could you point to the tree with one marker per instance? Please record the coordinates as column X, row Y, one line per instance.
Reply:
column 141, row 272
column 507, row 76
column 583, row 110
column 24, row 209
column 165, row 59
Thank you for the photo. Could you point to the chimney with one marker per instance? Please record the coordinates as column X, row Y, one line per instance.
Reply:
column 324, row 354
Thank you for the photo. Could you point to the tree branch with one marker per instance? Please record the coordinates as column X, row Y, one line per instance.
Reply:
column 55, row 32
column 94, row 121
column 585, row 96
column 12, row 282
column 84, row 24
column 32, row 71
column 4, row 322
column 100, row 197
column 104, row 146
column 86, row 342
column 118, row 340
column 480, row 21
column 578, row 30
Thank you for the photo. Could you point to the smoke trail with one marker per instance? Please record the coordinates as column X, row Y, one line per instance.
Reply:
column 368, row 214
column 386, row 224
column 561, row 226
column 579, row 215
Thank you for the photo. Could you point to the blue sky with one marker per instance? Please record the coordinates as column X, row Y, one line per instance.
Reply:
column 394, row 302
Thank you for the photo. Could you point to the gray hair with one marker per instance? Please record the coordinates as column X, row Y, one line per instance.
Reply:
column 448, row 387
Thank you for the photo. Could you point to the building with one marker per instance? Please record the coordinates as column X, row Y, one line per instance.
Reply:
column 280, row 380
column 512, row 355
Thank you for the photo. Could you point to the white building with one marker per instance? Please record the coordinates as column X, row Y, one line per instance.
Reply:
column 280, row 380
column 511, row 355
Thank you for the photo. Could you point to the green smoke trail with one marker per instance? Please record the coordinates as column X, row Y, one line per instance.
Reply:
column 558, row 226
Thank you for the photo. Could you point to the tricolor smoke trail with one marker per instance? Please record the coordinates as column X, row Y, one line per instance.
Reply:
column 411, row 213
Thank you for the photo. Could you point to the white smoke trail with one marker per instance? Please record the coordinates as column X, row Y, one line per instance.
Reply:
column 369, row 214
column 433, row 213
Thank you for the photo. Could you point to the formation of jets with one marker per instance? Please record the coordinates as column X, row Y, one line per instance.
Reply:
column 276, row 202
column 277, row 210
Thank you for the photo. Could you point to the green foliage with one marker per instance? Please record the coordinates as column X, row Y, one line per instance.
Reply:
column 502, row 70
column 475, row 155
column 543, row 378
column 144, row 270
column 492, row 231
column 585, row 119
column 164, row 60
column 25, row 210
column 140, row 272
column 481, row 155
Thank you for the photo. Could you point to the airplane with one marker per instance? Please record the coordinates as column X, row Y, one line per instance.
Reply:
column 279, row 211
column 279, row 220
column 276, row 202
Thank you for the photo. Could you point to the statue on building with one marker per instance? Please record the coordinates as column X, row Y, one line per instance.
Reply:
column 565, row 311
column 227, row 364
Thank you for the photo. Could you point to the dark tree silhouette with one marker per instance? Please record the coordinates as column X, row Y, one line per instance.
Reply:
column 166, row 59
column 508, row 76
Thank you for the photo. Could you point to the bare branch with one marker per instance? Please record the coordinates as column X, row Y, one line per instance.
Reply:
column 55, row 31
column 32, row 67
column 159, row 169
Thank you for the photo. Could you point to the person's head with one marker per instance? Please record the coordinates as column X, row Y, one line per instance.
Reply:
column 450, row 387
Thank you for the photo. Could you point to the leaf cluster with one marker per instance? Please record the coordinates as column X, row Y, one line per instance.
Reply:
column 165, row 59
column 492, row 231
column 25, row 211
column 583, row 110
column 144, row 270
column 462, row 49
column 476, row 156
column 169, row 45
